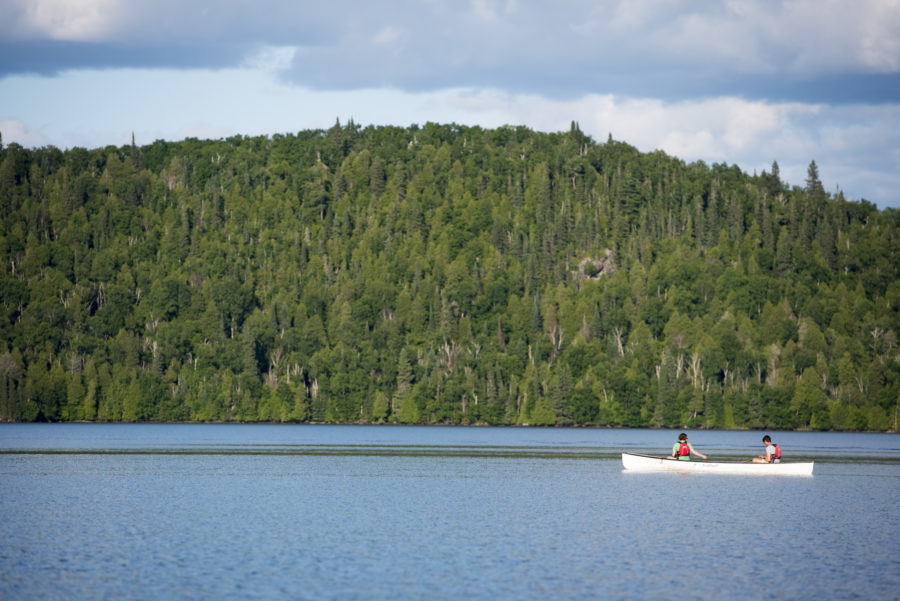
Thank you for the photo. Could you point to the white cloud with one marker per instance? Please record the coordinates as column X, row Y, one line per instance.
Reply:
column 713, row 39
column 796, row 37
column 879, row 37
column 13, row 130
column 489, row 12
column 721, row 129
column 386, row 36
column 69, row 20
column 271, row 58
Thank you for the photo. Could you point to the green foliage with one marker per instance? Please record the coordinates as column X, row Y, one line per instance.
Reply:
column 440, row 274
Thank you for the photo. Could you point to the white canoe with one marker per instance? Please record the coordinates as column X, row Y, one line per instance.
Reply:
column 648, row 463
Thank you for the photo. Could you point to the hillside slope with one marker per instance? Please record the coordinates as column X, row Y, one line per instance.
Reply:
column 440, row 274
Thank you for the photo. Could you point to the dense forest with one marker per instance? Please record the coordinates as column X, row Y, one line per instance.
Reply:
column 440, row 274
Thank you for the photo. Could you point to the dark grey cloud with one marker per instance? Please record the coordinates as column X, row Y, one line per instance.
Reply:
column 48, row 57
column 784, row 51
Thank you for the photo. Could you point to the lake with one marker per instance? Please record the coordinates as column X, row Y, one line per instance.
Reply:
column 144, row 511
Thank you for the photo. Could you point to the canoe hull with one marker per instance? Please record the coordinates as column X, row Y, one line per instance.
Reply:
column 648, row 463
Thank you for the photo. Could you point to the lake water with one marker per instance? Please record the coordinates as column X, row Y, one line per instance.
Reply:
column 102, row 511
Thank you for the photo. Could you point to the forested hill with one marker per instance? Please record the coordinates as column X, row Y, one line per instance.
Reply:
column 440, row 274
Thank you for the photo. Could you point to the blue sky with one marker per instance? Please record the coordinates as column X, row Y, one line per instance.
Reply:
column 740, row 82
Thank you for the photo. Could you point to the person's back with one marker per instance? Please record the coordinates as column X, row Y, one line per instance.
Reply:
column 682, row 449
column 773, row 452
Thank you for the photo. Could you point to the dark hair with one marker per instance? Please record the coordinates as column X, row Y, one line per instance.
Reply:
column 682, row 436
column 766, row 438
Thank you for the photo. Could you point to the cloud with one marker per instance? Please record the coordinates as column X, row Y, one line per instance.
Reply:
column 879, row 42
column 797, row 38
column 674, row 49
column 271, row 59
column 14, row 130
column 72, row 20
column 386, row 36
column 708, row 129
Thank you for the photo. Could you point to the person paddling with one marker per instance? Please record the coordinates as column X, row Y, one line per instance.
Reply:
column 682, row 449
column 773, row 452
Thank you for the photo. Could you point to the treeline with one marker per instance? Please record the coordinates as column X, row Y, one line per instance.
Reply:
column 440, row 274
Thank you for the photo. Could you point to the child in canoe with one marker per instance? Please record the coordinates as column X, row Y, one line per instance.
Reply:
column 682, row 449
column 773, row 452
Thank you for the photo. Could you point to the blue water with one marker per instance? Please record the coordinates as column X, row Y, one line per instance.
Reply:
column 93, row 511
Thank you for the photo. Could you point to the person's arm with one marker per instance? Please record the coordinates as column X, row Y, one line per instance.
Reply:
column 696, row 452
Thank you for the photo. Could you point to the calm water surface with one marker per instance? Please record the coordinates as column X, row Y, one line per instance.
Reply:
column 94, row 511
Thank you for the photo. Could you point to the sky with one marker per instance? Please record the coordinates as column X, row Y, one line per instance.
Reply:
column 722, row 81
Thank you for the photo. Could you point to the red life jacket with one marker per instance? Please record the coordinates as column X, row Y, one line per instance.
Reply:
column 777, row 452
column 684, row 450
